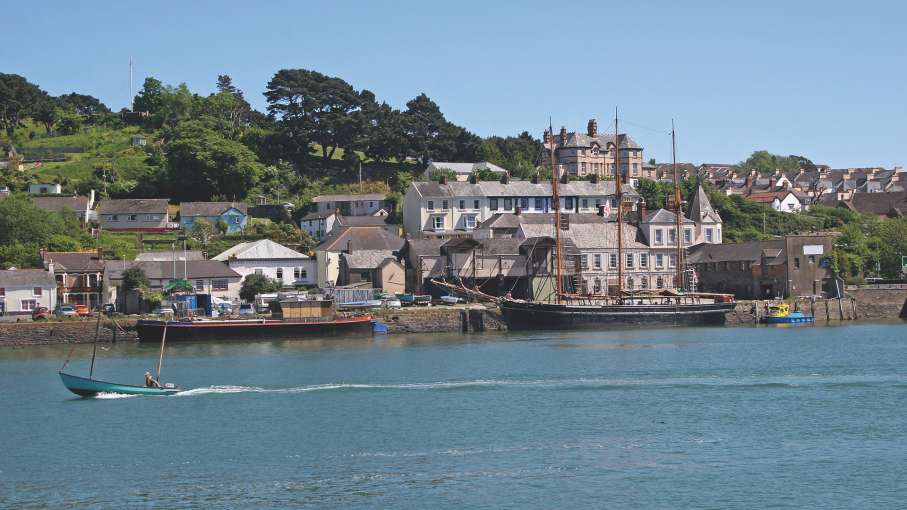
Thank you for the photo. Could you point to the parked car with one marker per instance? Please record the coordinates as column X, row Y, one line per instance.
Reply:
column 65, row 311
column 82, row 311
column 246, row 310
column 40, row 313
column 162, row 310
column 108, row 309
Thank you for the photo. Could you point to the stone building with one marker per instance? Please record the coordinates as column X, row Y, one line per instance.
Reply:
column 593, row 153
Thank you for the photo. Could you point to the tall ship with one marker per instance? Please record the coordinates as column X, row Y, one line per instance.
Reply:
column 567, row 308
column 290, row 319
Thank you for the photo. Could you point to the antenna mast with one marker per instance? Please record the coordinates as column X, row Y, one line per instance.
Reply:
column 678, row 213
column 618, row 177
column 556, row 199
column 131, row 94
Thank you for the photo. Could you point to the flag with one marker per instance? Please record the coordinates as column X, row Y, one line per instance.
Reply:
column 607, row 208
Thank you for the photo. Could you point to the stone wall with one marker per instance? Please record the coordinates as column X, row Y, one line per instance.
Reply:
column 441, row 319
column 64, row 332
column 862, row 304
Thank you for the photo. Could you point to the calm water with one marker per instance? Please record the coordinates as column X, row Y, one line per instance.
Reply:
column 672, row 418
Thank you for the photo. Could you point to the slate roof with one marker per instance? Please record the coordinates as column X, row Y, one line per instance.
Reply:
column 349, row 198
column 362, row 221
column 74, row 261
column 730, row 252
column 663, row 216
column 58, row 204
column 163, row 270
column 263, row 249
column 27, row 277
column 318, row 215
column 361, row 238
column 134, row 205
column 516, row 188
column 701, row 207
column 162, row 256
column 505, row 220
column 191, row 209
column 467, row 168
column 366, row 259
column 879, row 203
column 575, row 139
column 589, row 235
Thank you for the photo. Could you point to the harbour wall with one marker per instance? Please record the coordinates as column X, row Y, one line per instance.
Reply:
column 442, row 319
column 858, row 304
column 65, row 332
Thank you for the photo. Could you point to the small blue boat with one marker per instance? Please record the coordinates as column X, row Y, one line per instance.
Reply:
column 378, row 327
column 781, row 314
column 85, row 387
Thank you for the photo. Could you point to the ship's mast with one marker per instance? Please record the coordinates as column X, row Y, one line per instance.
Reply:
column 618, row 177
column 556, row 199
column 678, row 213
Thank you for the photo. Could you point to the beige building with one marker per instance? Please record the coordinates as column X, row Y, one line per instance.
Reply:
column 593, row 152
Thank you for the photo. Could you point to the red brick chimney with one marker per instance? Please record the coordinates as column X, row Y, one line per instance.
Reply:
column 641, row 205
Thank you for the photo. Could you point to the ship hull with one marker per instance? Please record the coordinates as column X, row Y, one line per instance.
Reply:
column 538, row 316
column 177, row 331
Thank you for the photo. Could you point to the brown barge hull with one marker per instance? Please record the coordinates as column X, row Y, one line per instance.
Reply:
column 178, row 331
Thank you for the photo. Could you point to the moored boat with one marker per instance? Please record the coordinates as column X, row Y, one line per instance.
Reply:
column 782, row 314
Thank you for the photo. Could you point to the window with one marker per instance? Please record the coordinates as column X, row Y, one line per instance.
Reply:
column 37, row 291
column 469, row 221
column 508, row 204
column 812, row 259
column 659, row 260
column 644, row 260
column 598, row 202
column 687, row 236
column 219, row 284
column 199, row 285
column 660, row 282
column 539, row 204
column 659, row 237
column 462, row 204
column 584, row 261
column 431, row 205
column 524, row 203
column 437, row 222
column 672, row 235
column 708, row 235
column 132, row 217
column 280, row 273
column 475, row 204
column 796, row 262
column 630, row 283
column 2, row 292
column 371, row 204
column 583, row 167
column 672, row 260
column 236, row 220
column 296, row 272
column 597, row 261
column 644, row 283
column 629, row 264
column 493, row 204
column 259, row 271
column 585, row 203
column 444, row 205
column 612, row 261
column 597, row 286
column 568, row 203
column 613, row 202
column 28, row 305
column 114, row 217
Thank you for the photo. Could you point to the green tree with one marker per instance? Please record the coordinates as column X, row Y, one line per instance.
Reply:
column 314, row 108
column 135, row 278
column 18, row 98
column 764, row 161
column 201, row 165
column 202, row 231
column 150, row 96
column 69, row 121
column 89, row 107
column 255, row 284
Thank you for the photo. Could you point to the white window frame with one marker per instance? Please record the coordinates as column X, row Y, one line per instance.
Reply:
column 437, row 223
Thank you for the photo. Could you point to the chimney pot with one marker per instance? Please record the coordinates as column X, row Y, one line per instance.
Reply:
column 442, row 179
column 505, row 178
column 592, row 128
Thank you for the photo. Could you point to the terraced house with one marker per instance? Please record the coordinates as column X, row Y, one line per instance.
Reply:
column 135, row 214
column 233, row 214
column 79, row 275
column 442, row 208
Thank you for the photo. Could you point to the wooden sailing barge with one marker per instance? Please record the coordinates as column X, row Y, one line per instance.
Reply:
column 641, row 308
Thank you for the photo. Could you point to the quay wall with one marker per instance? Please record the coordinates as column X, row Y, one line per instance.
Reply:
column 858, row 304
column 64, row 332
column 442, row 319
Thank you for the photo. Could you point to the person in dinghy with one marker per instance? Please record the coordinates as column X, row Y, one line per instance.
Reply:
column 150, row 381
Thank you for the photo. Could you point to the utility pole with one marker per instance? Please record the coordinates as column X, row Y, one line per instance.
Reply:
column 131, row 93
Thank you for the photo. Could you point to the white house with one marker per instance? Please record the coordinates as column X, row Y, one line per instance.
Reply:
column 367, row 204
column 45, row 189
column 461, row 170
column 441, row 207
column 782, row 201
column 23, row 290
column 265, row 257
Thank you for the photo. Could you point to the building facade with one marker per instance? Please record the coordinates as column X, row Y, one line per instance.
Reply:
column 24, row 290
column 594, row 152
column 265, row 257
column 135, row 214
column 233, row 214
column 367, row 204
column 79, row 276
column 444, row 208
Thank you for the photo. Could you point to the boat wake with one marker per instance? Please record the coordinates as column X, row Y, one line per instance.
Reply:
column 742, row 383
column 112, row 396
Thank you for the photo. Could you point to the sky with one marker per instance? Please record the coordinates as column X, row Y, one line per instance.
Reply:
column 826, row 80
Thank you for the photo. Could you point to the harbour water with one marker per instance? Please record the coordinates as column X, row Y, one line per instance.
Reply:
column 764, row 417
